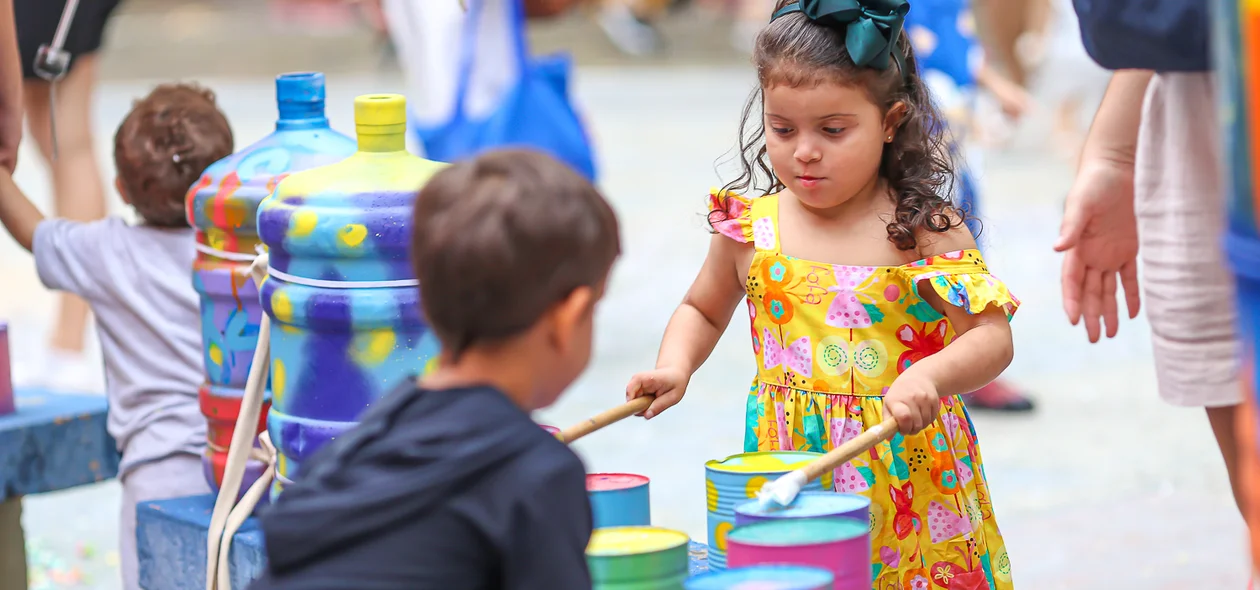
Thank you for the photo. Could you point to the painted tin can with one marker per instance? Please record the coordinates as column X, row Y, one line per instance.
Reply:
column 807, row 505
column 764, row 577
column 840, row 545
column 341, row 295
column 619, row 499
column 222, row 207
column 552, row 430
column 8, row 404
column 736, row 479
column 637, row 558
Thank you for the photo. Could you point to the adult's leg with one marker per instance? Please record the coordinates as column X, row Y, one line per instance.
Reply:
column 1188, row 289
column 1224, row 421
column 1004, row 21
column 78, row 192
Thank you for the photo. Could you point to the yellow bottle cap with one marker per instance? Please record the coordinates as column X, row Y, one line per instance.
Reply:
column 380, row 114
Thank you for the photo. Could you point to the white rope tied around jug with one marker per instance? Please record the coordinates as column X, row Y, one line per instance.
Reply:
column 228, row 514
column 222, row 254
column 298, row 280
column 327, row 284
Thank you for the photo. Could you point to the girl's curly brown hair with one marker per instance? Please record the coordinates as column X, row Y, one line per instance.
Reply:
column 917, row 164
column 167, row 140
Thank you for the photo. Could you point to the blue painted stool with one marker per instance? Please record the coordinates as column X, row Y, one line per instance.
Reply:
column 53, row 442
column 171, row 542
column 171, row 545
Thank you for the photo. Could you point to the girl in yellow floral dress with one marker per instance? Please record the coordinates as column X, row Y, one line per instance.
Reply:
column 866, row 293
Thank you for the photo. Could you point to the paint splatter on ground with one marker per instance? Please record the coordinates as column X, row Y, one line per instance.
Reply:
column 50, row 569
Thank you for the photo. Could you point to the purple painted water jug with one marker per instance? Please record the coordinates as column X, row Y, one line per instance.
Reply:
column 223, row 207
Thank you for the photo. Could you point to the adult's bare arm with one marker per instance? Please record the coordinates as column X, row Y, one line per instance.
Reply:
column 10, row 88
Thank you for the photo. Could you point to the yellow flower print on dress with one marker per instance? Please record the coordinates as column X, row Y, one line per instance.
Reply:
column 777, row 275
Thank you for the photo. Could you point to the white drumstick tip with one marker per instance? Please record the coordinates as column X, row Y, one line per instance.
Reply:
column 782, row 491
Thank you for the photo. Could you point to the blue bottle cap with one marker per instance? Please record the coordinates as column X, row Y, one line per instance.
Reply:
column 300, row 96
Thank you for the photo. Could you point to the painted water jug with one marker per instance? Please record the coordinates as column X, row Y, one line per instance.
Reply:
column 223, row 208
column 343, row 300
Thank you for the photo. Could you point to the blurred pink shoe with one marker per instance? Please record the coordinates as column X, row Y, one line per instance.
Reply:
column 1000, row 397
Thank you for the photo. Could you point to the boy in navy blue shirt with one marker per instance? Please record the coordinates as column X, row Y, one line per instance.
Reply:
column 447, row 483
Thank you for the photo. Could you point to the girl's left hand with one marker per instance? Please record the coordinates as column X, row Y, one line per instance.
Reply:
column 913, row 402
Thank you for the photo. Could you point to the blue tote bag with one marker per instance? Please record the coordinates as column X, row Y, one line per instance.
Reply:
column 534, row 112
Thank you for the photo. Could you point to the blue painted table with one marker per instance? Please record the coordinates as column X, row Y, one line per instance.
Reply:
column 53, row 442
column 171, row 541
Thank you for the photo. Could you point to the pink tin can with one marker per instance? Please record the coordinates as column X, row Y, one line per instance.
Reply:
column 842, row 546
column 7, row 405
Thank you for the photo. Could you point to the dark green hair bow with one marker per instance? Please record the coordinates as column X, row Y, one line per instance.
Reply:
column 871, row 26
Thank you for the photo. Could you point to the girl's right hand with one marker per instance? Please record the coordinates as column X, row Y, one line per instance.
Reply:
column 668, row 385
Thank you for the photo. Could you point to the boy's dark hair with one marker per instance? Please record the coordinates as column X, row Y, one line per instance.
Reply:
column 167, row 140
column 499, row 239
column 794, row 51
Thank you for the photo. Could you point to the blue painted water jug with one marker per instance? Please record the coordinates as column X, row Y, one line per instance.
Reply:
column 223, row 207
column 341, row 294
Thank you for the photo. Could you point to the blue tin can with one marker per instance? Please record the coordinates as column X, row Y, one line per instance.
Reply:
column 619, row 499
column 736, row 479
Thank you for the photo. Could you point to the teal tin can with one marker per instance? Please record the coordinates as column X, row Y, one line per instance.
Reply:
column 619, row 499
column 736, row 479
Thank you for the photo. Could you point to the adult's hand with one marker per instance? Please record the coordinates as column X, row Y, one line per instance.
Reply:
column 1100, row 238
column 1099, row 233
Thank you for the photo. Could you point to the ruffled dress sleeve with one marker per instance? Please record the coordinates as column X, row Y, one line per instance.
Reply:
column 731, row 215
column 963, row 280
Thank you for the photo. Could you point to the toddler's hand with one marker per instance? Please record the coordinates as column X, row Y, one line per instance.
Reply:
column 913, row 402
column 668, row 385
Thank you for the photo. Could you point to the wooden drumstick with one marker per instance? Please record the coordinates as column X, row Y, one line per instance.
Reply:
column 784, row 489
column 602, row 419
